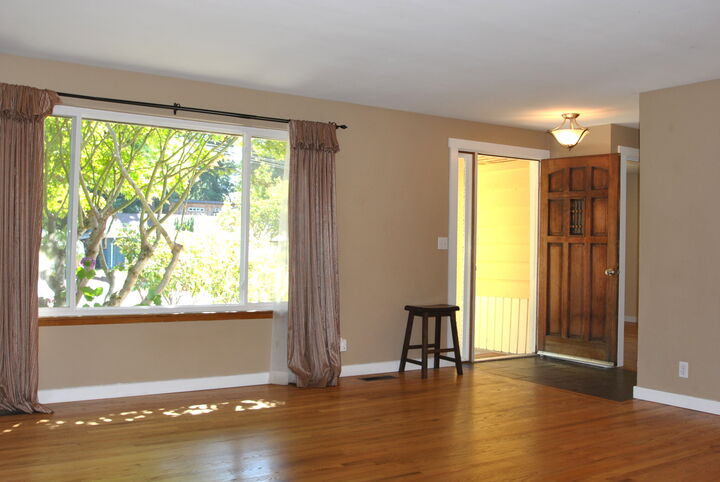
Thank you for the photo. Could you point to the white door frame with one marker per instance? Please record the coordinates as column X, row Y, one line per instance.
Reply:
column 627, row 154
column 502, row 150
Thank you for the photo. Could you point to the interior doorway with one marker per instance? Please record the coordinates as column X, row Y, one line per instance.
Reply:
column 631, row 223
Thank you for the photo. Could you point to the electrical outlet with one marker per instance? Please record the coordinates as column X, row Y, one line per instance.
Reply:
column 683, row 369
column 442, row 243
column 343, row 344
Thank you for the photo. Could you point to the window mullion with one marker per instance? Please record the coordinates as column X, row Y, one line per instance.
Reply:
column 73, row 207
column 245, row 217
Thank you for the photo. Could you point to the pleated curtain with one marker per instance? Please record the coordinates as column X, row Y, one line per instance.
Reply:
column 313, row 304
column 22, row 111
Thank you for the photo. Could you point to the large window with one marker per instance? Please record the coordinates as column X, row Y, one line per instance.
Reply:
column 146, row 211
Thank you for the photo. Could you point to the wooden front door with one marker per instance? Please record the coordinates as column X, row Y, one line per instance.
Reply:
column 578, row 256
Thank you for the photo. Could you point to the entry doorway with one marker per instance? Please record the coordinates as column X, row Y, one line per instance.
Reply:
column 630, row 227
column 497, row 275
column 505, row 255
column 462, row 264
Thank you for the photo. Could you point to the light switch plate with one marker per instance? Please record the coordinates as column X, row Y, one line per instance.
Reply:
column 442, row 243
column 683, row 369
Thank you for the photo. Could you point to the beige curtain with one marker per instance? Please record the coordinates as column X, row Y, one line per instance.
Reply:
column 22, row 110
column 313, row 306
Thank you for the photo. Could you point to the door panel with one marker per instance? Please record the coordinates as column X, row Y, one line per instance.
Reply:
column 576, row 295
column 579, row 241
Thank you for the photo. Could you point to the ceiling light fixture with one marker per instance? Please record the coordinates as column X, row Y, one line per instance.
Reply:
column 569, row 133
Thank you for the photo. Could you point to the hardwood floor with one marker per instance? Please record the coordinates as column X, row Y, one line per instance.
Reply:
column 610, row 383
column 478, row 426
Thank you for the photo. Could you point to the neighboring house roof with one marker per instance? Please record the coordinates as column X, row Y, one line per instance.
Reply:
column 131, row 220
column 193, row 201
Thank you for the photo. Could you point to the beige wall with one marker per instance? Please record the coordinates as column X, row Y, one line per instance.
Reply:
column 623, row 136
column 392, row 205
column 679, row 240
column 106, row 354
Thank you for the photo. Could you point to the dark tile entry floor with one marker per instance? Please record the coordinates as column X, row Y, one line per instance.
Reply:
column 609, row 383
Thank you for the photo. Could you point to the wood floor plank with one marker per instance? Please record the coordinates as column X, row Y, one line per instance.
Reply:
column 478, row 426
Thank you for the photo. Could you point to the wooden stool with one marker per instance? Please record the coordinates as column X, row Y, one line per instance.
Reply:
column 438, row 311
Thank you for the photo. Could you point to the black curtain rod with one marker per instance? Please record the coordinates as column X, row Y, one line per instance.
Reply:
column 177, row 107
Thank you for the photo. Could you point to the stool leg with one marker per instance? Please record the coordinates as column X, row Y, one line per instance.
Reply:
column 438, row 324
column 458, row 358
column 406, row 343
column 423, row 369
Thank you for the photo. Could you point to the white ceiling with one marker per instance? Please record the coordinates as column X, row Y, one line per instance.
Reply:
column 512, row 62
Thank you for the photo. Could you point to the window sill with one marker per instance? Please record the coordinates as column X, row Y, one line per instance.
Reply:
column 154, row 318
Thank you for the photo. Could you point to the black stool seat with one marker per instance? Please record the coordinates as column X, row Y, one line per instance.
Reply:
column 432, row 310
column 438, row 312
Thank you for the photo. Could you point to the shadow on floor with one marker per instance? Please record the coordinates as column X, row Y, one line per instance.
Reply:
column 609, row 383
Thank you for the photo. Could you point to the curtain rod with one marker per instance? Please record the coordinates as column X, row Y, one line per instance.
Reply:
column 177, row 107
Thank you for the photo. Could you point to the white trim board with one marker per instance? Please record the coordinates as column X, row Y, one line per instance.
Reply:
column 631, row 154
column 627, row 154
column 117, row 390
column 677, row 400
column 502, row 150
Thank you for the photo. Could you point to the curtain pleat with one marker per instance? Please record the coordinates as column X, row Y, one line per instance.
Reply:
column 313, row 304
column 22, row 112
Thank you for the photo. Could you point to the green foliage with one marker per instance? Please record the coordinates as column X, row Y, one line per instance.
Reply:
column 269, row 148
column 55, row 208
column 185, row 225
column 86, row 271
column 217, row 183
column 149, row 173
column 268, row 192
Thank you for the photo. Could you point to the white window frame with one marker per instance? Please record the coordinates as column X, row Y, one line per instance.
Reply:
column 78, row 114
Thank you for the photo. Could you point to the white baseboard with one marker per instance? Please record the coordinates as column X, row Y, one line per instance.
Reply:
column 677, row 400
column 384, row 367
column 117, row 390
column 279, row 378
column 631, row 319
column 96, row 392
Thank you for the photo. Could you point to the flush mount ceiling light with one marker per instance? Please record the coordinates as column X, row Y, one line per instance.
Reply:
column 569, row 133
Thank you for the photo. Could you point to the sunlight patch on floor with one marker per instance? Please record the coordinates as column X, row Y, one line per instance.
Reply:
column 141, row 415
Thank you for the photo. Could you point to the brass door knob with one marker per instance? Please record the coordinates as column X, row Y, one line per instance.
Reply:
column 611, row 272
